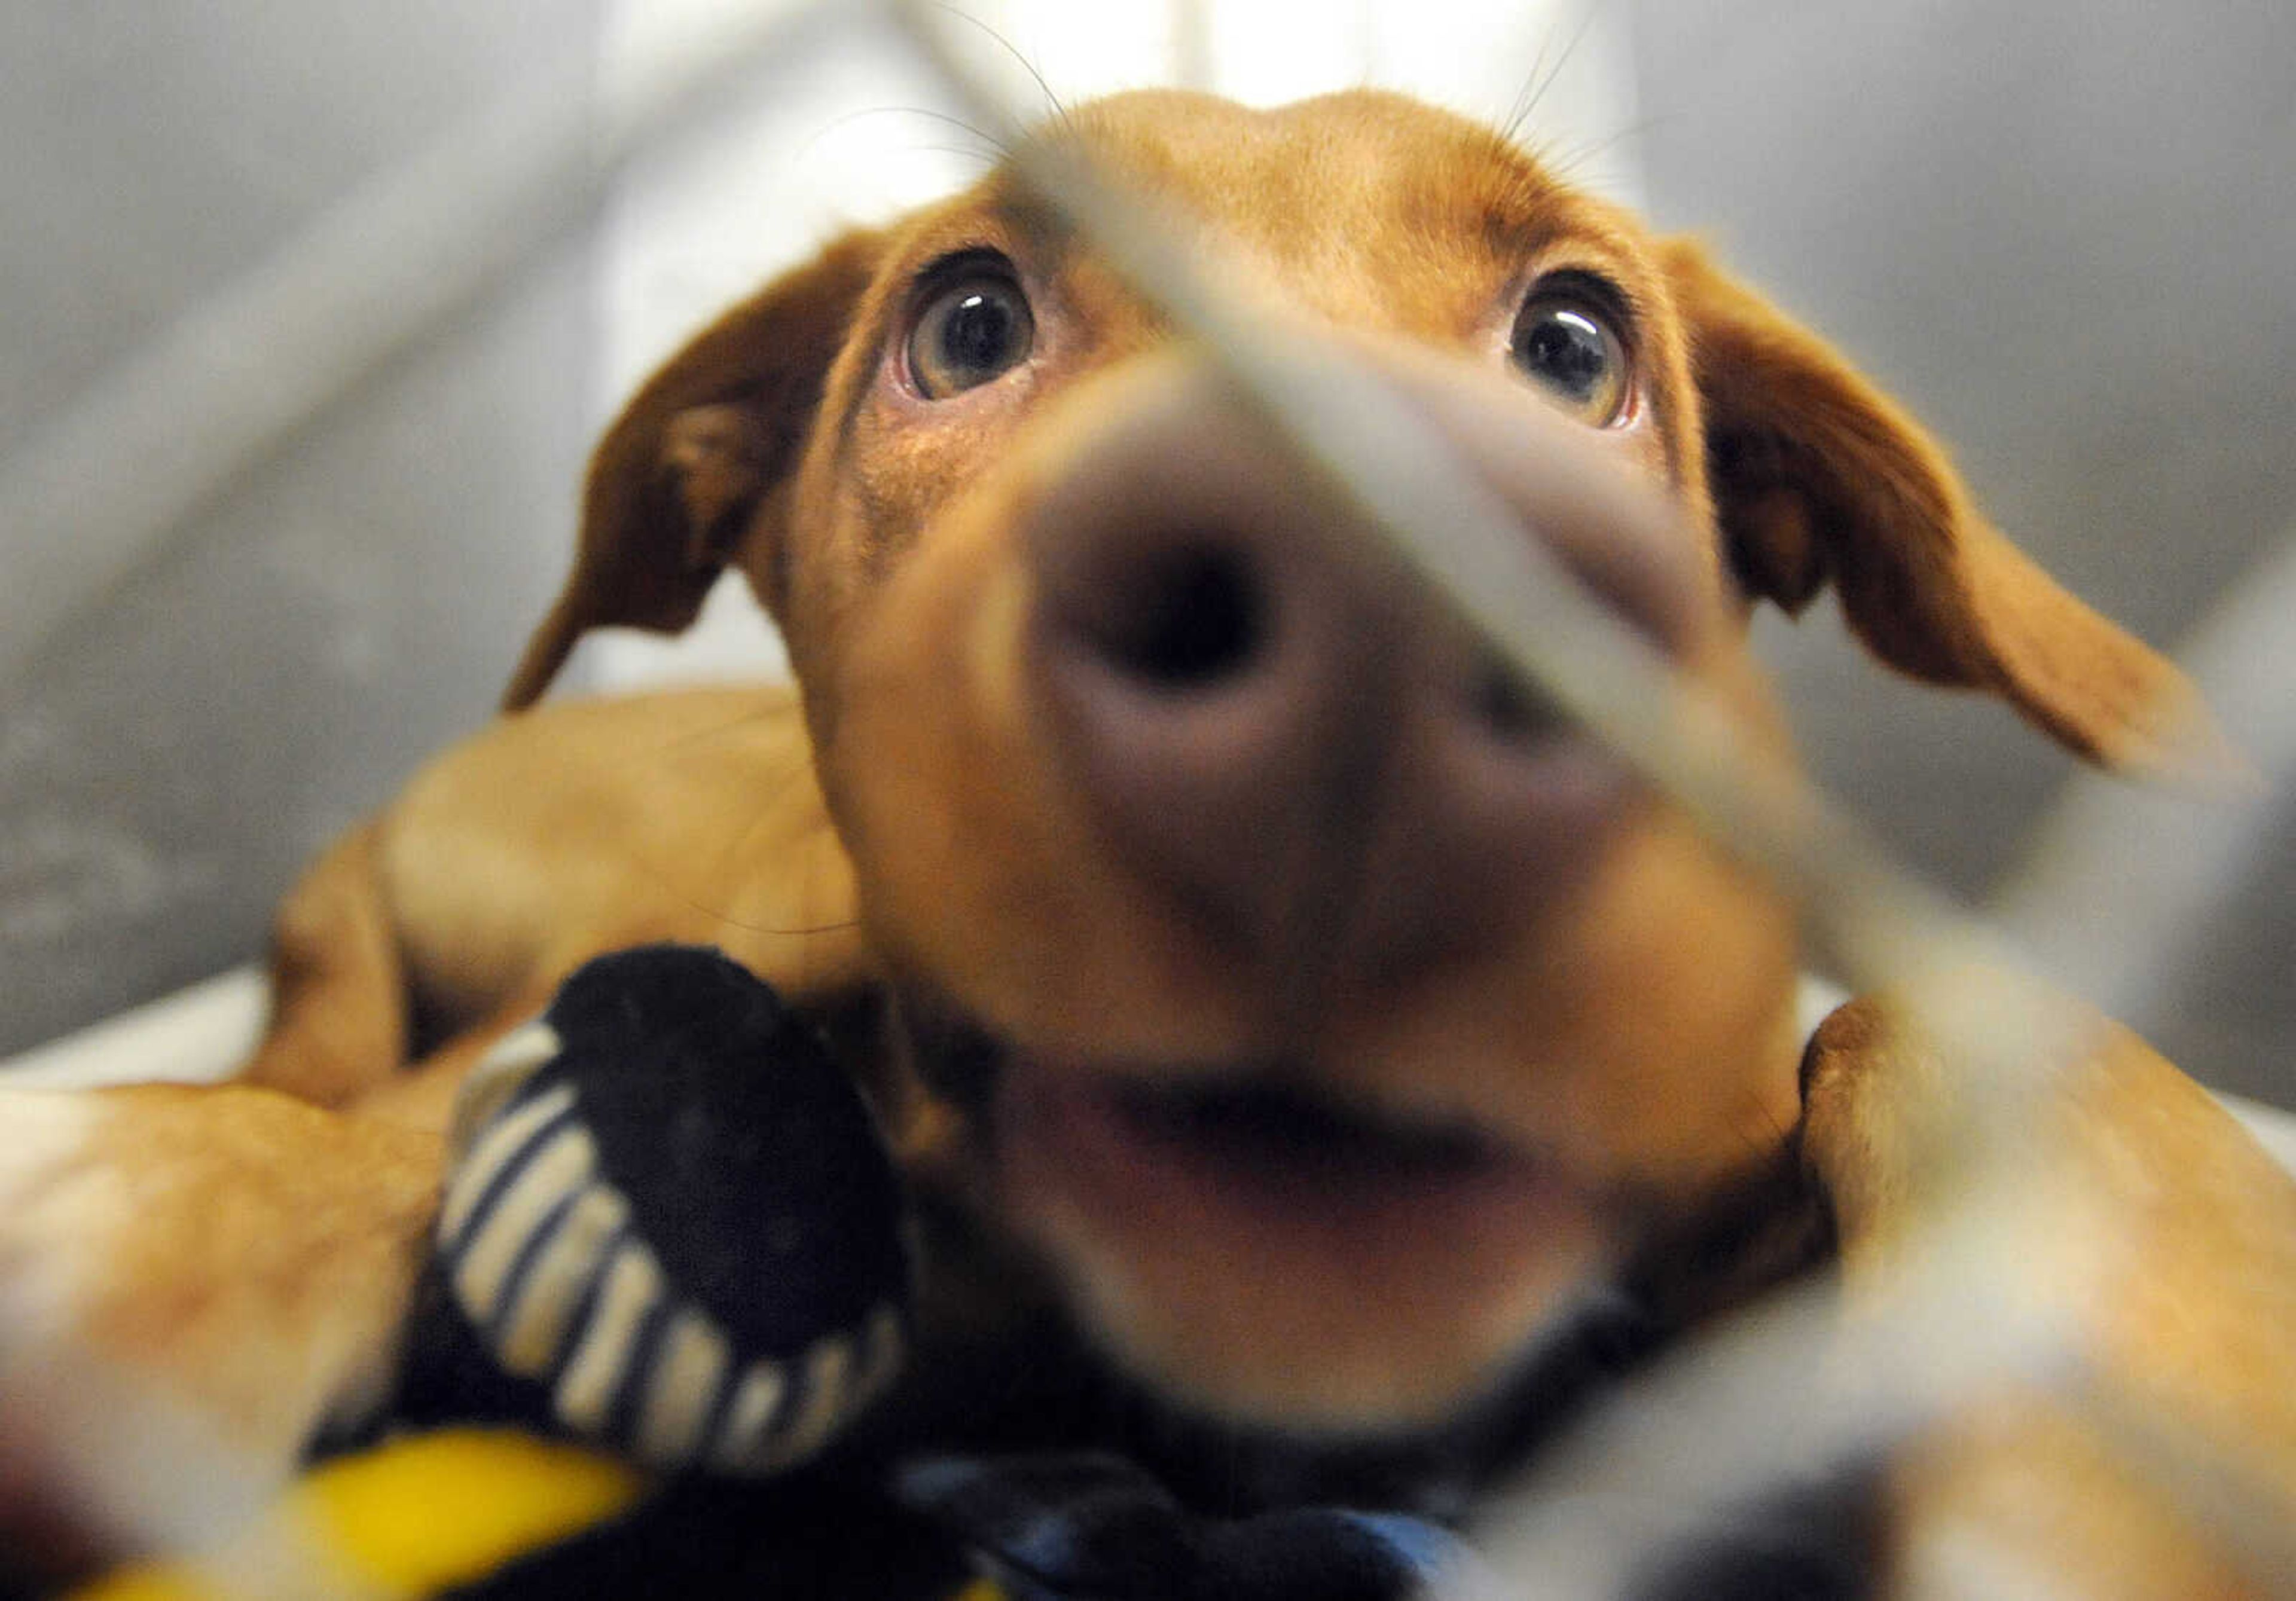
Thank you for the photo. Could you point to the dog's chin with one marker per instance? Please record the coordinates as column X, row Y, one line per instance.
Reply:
column 1263, row 1253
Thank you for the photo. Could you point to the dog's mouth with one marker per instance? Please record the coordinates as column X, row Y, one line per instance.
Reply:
column 1254, row 1140
column 1257, row 1245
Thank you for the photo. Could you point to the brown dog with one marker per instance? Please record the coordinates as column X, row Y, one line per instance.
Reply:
column 1335, row 1018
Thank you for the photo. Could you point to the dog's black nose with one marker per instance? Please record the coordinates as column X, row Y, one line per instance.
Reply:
column 1264, row 710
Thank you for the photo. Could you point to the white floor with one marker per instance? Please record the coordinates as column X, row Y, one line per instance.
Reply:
column 194, row 1036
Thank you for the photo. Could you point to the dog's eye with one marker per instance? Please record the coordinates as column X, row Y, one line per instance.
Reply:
column 969, row 333
column 1567, row 344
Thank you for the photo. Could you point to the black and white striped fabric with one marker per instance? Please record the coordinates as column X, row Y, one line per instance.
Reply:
column 672, row 1219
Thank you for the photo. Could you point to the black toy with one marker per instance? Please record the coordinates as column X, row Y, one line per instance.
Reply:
column 672, row 1230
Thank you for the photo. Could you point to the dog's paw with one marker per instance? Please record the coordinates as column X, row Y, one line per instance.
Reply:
column 2146, row 1236
column 190, row 1280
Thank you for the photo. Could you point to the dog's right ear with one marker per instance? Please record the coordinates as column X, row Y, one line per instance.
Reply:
column 699, row 458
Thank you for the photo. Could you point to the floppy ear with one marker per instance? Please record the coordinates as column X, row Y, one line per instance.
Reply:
column 688, row 476
column 1818, row 477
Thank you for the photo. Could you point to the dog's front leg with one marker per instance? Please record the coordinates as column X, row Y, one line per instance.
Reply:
column 191, row 1280
column 2159, row 1459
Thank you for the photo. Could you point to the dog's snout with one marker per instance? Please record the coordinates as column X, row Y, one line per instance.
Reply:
column 1266, row 711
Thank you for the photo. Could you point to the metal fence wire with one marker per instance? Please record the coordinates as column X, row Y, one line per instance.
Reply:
column 1746, row 1406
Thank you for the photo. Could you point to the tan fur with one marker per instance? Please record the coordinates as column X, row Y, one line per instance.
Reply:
column 910, row 820
column 2188, row 1331
column 193, row 1270
column 475, row 918
column 325, row 1247
column 339, row 1024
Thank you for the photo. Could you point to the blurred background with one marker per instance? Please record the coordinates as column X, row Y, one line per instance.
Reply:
column 2064, row 233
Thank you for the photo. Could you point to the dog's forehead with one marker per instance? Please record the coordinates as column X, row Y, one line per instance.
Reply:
column 1367, row 206
column 1361, row 158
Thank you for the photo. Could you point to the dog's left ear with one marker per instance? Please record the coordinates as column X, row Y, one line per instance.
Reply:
column 1818, row 477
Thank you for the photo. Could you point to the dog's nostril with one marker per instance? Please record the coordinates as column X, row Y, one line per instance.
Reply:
column 1195, row 614
column 1505, row 704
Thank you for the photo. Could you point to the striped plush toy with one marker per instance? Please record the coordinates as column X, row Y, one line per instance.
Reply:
column 673, row 1229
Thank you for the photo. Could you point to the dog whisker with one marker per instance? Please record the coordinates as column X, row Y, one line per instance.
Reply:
column 1535, row 89
column 995, row 144
column 1578, row 157
column 1053, row 101
column 948, row 150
